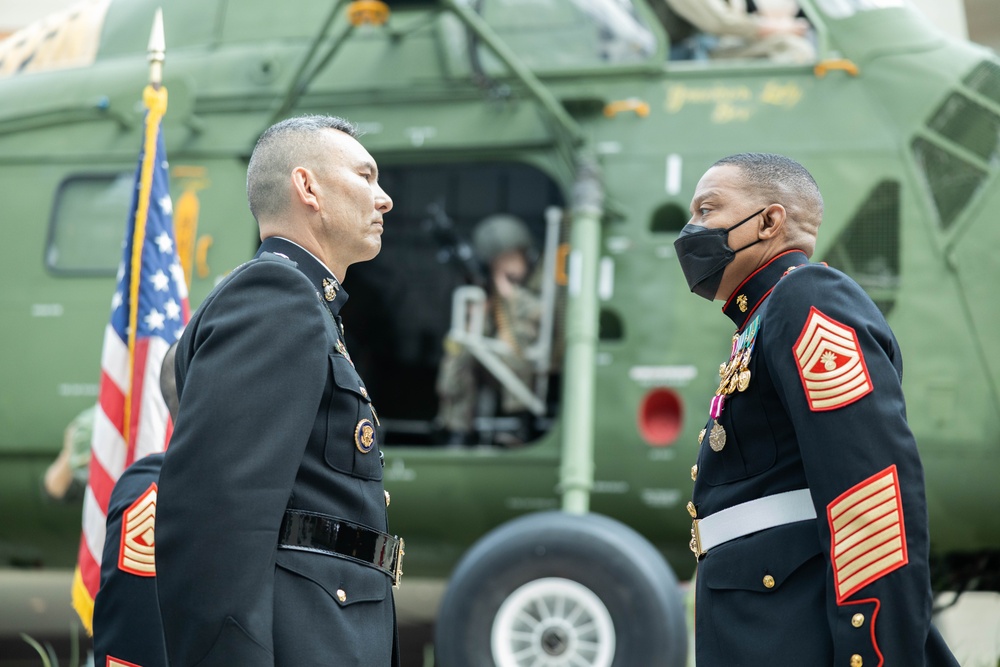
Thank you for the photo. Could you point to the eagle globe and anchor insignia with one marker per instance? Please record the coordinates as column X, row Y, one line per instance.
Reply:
column 364, row 436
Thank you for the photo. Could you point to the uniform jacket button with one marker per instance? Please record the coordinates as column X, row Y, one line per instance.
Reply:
column 858, row 620
column 694, row 472
column 768, row 581
column 341, row 595
column 856, row 661
column 692, row 510
column 386, row 497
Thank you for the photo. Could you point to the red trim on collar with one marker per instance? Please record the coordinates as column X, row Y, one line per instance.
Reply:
column 758, row 270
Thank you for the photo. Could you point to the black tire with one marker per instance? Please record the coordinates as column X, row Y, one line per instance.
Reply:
column 600, row 568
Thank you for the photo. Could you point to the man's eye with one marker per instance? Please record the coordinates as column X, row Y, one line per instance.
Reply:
column 704, row 211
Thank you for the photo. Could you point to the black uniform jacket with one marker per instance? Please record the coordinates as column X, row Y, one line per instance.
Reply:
column 823, row 410
column 270, row 404
column 127, row 628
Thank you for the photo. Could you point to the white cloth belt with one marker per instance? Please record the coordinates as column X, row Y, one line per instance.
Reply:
column 750, row 517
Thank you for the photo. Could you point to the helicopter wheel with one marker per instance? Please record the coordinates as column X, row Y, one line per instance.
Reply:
column 561, row 590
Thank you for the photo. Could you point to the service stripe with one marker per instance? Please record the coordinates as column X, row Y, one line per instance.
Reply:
column 867, row 532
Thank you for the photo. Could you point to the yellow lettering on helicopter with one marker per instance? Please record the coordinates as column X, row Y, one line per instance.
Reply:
column 781, row 94
column 186, row 211
column 680, row 95
column 732, row 103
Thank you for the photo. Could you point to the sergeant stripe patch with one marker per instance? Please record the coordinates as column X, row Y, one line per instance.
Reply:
column 138, row 537
column 115, row 662
column 830, row 363
column 867, row 535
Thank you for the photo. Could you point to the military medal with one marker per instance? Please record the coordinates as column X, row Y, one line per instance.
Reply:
column 734, row 376
column 342, row 349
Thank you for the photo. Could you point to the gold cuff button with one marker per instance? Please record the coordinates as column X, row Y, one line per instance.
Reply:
column 858, row 620
column 691, row 510
column 341, row 595
column 768, row 581
column 386, row 497
column 694, row 472
column 856, row 661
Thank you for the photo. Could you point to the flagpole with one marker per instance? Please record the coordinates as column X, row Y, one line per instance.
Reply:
column 154, row 96
column 155, row 99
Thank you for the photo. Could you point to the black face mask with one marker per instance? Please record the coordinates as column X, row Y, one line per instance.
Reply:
column 704, row 255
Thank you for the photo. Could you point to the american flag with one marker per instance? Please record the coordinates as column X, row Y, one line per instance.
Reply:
column 148, row 312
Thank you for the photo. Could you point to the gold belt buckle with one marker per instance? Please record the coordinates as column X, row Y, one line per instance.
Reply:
column 695, row 543
column 397, row 572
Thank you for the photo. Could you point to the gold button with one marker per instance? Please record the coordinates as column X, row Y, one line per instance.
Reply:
column 694, row 472
column 341, row 595
column 386, row 497
column 691, row 510
column 701, row 436
column 768, row 581
column 856, row 661
column 858, row 620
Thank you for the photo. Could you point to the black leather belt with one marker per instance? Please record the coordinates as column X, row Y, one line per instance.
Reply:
column 322, row 533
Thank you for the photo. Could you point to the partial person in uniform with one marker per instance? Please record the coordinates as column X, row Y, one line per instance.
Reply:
column 65, row 479
column 127, row 627
column 726, row 29
column 272, row 545
column 504, row 247
column 810, row 520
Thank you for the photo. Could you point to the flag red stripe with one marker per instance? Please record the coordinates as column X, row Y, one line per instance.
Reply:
column 138, row 386
column 112, row 401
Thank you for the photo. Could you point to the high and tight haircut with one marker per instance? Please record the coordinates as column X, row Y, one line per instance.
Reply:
column 280, row 149
column 777, row 178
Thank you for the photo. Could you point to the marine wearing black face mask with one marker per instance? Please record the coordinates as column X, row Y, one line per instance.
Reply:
column 808, row 506
column 704, row 255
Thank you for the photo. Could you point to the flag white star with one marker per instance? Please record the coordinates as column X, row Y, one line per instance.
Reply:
column 164, row 242
column 160, row 281
column 116, row 301
column 154, row 320
column 166, row 205
column 173, row 309
column 177, row 271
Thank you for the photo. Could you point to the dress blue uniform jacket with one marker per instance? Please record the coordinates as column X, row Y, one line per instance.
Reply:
column 127, row 628
column 269, row 406
column 823, row 410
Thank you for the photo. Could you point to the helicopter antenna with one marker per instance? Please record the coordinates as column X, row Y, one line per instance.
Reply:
column 157, row 50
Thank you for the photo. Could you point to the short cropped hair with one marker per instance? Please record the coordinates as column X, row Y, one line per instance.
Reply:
column 778, row 179
column 282, row 147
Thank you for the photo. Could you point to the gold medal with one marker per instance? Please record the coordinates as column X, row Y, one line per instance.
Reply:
column 744, row 380
column 717, row 438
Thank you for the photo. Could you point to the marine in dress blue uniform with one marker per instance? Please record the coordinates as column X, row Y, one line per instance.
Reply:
column 272, row 529
column 127, row 627
column 810, row 521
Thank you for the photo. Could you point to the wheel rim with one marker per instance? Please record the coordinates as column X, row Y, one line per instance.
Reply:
column 553, row 623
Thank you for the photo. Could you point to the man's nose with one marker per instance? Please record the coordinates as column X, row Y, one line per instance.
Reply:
column 383, row 202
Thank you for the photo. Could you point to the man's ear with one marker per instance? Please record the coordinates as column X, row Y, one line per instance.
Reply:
column 772, row 222
column 303, row 188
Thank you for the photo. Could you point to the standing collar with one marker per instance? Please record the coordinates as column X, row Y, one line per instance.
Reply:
column 746, row 298
column 308, row 264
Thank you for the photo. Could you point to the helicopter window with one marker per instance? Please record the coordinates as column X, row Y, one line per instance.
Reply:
column 839, row 9
column 952, row 180
column 668, row 218
column 85, row 233
column 587, row 32
column 970, row 125
column 985, row 80
column 868, row 247
column 400, row 310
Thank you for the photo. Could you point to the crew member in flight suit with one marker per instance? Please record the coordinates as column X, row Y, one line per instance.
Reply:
column 272, row 546
column 127, row 627
column 810, row 521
